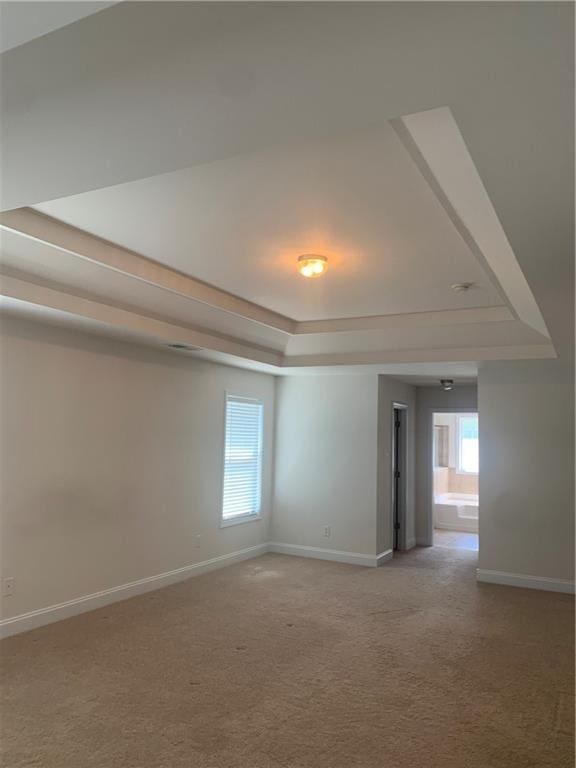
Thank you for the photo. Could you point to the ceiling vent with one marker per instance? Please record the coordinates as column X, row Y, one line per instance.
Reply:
column 182, row 347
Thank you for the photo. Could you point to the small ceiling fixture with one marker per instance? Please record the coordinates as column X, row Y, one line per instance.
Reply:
column 179, row 345
column 447, row 384
column 461, row 287
column 312, row 264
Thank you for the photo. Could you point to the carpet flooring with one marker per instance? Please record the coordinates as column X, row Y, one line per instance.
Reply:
column 283, row 662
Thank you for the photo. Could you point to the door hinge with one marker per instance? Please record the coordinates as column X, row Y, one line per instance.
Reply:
column 396, row 526
column 397, row 473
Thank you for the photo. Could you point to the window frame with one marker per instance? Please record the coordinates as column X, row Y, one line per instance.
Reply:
column 247, row 517
column 459, row 469
column 441, row 434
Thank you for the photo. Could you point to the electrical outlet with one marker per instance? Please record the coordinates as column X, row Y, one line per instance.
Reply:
column 327, row 531
column 8, row 586
column 197, row 541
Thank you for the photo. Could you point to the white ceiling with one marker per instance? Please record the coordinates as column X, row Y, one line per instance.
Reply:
column 409, row 314
column 222, row 140
column 241, row 223
column 24, row 20
column 41, row 262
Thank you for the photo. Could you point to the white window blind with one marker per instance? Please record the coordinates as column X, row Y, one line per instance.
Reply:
column 242, row 457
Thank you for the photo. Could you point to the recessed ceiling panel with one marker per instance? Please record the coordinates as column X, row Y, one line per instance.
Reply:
column 240, row 224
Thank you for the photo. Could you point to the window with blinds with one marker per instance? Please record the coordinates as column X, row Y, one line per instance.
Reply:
column 242, row 458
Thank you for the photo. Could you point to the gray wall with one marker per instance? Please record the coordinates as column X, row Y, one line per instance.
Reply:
column 393, row 391
column 112, row 463
column 428, row 400
column 326, row 462
column 527, row 468
column 527, row 408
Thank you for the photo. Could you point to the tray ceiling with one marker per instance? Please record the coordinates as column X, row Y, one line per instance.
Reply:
column 248, row 138
column 187, row 258
column 240, row 224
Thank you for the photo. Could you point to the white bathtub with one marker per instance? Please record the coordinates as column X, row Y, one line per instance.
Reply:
column 456, row 511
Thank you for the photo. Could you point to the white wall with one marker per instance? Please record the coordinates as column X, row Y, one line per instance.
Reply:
column 326, row 462
column 527, row 408
column 527, row 468
column 392, row 391
column 428, row 400
column 112, row 462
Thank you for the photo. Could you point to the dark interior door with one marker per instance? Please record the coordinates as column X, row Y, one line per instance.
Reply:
column 396, row 475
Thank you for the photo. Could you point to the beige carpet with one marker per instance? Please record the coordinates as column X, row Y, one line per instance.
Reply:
column 282, row 661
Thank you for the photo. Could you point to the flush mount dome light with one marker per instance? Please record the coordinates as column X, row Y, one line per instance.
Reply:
column 312, row 264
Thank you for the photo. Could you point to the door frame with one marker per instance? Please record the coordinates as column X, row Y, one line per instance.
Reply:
column 403, row 463
column 430, row 463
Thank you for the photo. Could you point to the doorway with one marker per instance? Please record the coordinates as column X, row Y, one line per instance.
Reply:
column 399, row 475
column 455, row 489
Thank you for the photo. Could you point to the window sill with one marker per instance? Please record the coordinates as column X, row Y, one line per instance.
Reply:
column 239, row 520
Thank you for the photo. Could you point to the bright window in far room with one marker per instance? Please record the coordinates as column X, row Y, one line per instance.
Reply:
column 242, row 460
column 468, row 444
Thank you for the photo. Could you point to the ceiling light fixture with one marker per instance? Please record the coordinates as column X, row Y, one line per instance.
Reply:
column 461, row 287
column 447, row 384
column 185, row 347
column 312, row 264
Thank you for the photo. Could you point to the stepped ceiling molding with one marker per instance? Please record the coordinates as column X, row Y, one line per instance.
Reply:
column 194, row 242
column 49, row 261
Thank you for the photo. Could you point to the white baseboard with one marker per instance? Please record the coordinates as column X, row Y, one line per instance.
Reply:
column 423, row 542
column 66, row 610
column 53, row 613
column 384, row 557
column 353, row 558
column 523, row 580
column 410, row 544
